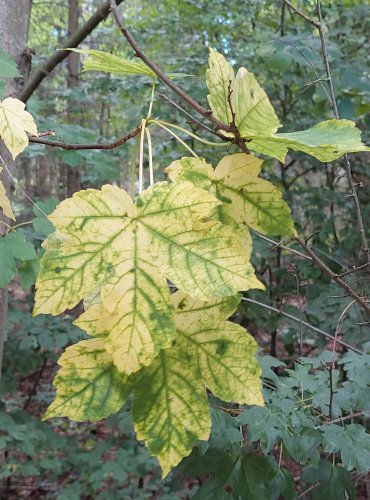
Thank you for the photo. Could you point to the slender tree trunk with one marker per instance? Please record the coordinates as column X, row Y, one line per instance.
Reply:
column 14, row 23
column 73, row 174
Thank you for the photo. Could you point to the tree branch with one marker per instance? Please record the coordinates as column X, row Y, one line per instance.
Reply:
column 206, row 113
column 43, row 71
column 304, row 323
column 319, row 263
column 68, row 146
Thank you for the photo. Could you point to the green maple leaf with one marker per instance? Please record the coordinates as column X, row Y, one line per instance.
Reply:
column 247, row 200
column 257, row 122
column 334, row 482
column 104, row 240
column 353, row 443
column 13, row 246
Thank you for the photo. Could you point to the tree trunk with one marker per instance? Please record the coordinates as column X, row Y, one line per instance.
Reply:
column 73, row 174
column 14, row 23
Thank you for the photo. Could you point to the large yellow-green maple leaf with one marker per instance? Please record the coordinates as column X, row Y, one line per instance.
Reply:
column 247, row 199
column 170, row 405
column 103, row 239
column 15, row 121
column 256, row 120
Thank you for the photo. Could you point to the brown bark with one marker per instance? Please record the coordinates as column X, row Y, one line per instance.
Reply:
column 14, row 23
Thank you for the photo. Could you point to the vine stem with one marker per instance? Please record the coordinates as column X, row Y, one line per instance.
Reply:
column 150, row 155
column 176, row 137
column 194, row 136
column 141, row 156
column 151, row 102
column 133, row 165
column 342, row 419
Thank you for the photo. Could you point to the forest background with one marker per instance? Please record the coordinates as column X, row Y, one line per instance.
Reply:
column 310, row 440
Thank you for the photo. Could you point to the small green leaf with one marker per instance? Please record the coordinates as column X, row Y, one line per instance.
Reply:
column 13, row 246
column 40, row 222
column 98, row 60
column 8, row 66
column 19, row 247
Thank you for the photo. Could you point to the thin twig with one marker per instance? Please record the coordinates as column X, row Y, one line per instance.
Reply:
column 36, row 383
column 337, row 329
column 192, row 119
column 68, row 146
column 304, row 323
column 319, row 263
column 342, row 419
column 277, row 244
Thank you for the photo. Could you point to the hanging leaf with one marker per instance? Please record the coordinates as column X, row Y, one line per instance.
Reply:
column 247, row 200
column 103, row 239
column 170, row 407
column 254, row 113
column 89, row 387
column 98, row 60
column 257, row 122
column 14, row 123
column 5, row 202
column 220, row 82
column 326, row 141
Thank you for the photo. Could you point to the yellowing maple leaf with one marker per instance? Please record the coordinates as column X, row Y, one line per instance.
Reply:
column 5, row 202
column 247, row 200
column 256, row 120
column 129, row 250
column 170, row 406
column 14, row 123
